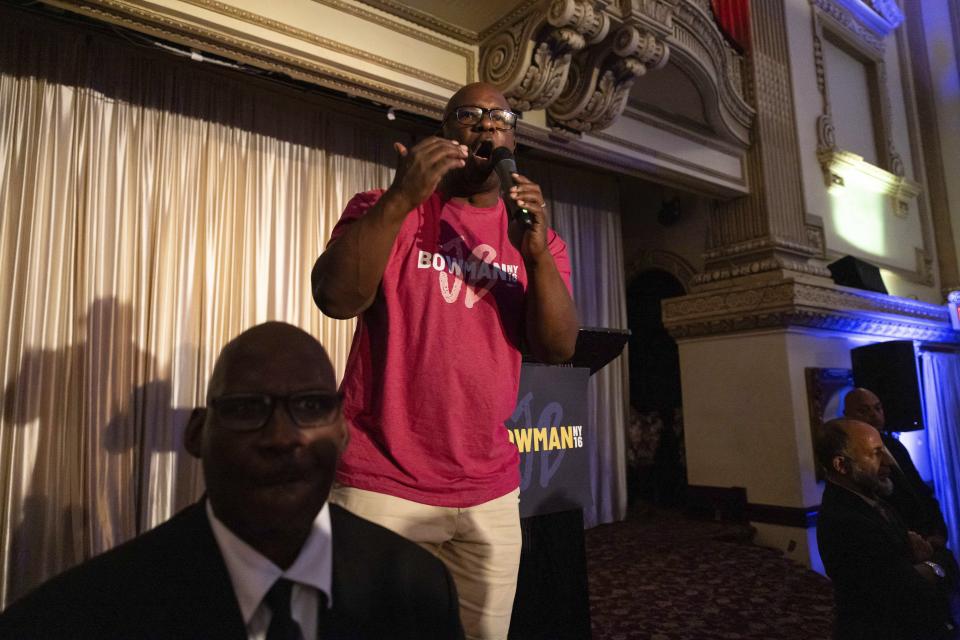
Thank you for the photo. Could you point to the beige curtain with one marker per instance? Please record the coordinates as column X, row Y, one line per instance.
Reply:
column 585, row 210
column 150, row 211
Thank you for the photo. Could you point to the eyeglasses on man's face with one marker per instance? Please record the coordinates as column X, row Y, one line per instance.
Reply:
column 251, row 411
column 469, row 116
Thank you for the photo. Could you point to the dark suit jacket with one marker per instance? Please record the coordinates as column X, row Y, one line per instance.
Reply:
column 912, row 498
column 172, row 582
column 879, row 594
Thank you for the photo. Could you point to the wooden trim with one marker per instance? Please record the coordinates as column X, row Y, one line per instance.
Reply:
column 799, row 517
column 729, row 504
column 723, row 504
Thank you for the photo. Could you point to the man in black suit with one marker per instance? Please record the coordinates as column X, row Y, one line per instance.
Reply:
column 263, row 556
column 885, row 586
column 911, row 497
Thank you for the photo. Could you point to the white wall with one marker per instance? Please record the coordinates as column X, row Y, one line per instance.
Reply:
column 941, row 26
column 857, row 220
column 640, row 203
column 747, row 423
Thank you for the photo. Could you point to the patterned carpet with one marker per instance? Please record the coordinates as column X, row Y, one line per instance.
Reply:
column 660, row 576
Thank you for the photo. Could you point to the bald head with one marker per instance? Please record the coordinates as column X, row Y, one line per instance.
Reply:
column 475, row 93
column 852, row 453
column 864, row 405
column 476, row 179
column 267, row 479
column 831, row 441
column 288, row 350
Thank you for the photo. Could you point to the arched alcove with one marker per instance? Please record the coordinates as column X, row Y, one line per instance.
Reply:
column 656, row 467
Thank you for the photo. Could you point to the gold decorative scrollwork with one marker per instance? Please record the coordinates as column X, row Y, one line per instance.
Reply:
column 601, row 89
column 530, row 59
column 578, row 59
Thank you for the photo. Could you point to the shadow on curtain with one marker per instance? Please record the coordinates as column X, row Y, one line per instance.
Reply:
column 152, row 209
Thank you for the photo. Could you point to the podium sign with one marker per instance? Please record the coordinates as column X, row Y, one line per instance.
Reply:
column 549, row 428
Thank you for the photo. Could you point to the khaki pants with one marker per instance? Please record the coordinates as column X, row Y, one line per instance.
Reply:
column 479, row 545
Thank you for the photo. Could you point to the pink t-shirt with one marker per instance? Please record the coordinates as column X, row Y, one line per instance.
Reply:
column 435, row 361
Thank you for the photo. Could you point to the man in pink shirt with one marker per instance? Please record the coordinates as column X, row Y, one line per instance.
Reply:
column 447, row 288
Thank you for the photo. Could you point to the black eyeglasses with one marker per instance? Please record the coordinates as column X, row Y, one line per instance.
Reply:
column 469, row 116
column 250, row 411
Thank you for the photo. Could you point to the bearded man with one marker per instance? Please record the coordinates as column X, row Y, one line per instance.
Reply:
column 885, row 584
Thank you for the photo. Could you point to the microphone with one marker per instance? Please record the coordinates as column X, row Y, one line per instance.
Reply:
column 504, row 165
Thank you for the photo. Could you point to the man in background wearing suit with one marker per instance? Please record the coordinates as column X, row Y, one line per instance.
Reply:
column 263, row 556
column 911, row 497
column 885, row 586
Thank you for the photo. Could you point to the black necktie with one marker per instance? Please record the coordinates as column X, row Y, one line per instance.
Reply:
column 323, row 618
column 282, row 625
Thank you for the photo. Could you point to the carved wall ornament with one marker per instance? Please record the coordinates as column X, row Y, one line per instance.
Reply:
column 771, row 265
column 579, row 59
column 889, row 11
column 894, row 161
column 839, row 166
column 673, row 263
column 818, row 64
column 764, row 236
column 788, row 304
column 656, row 14
column 826, row 134
column 529, row 59
column 600, row 81
column 924, row 266
column 846, row 24
column 838, row 13
column 816, row 239
column 758, row 245
column 700, row 50
column 879, row 16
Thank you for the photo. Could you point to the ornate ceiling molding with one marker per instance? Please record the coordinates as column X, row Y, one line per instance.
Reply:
column 413, row 89
column 700, row 51
column 879, row 16
column 599, row 82
column 579, row 59
column 777, row 263
column 838, row 12
column 424, row 19
column 792, row 303
column 529, row 59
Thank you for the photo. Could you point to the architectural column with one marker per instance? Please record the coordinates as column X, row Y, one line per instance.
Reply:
column 764, row 312
column 766, row 232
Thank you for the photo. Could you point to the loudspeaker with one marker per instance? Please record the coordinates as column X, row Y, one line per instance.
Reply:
column 890, row 370
column 854, row 272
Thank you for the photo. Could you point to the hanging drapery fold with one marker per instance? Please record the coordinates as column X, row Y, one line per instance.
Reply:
column 733, row 18
column 152, row 210
column 941, row 381
column 585, row 210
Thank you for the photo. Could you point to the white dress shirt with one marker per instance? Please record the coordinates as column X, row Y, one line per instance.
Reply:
column 252, row 575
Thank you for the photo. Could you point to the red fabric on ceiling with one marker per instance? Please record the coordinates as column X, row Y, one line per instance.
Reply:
column 733, row 17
